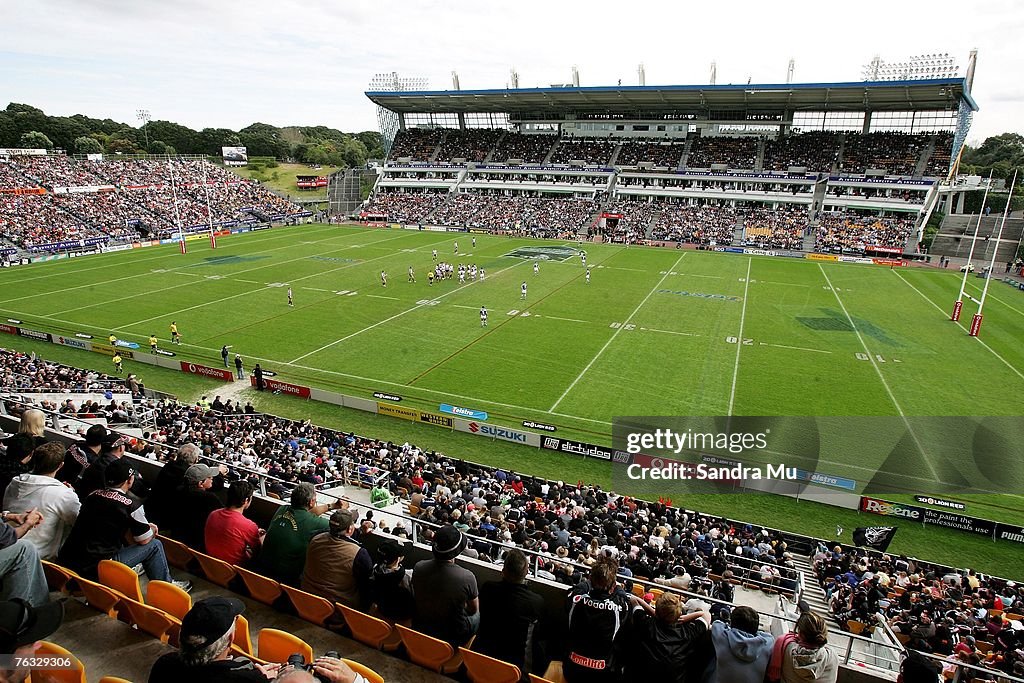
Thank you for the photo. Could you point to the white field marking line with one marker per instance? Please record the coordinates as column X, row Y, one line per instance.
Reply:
column 960, row 325
column 189, row 284
column 878, row 370
column 269, row 237
column 555, row 317
column 462, row 306
column 795, row 348
column 381, row 296
column 739, row 339
column 682, row 334
column 790, row 284
column 251, row 282
column 1013, row 308
column 397, row 315
column 317, row 289
column 260, row 289
column 614, row 335
column 716, row 277
column 169, row 270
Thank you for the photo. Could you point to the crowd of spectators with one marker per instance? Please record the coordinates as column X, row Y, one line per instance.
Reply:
column 25, row 371
column 599, row 180
column 938, row 162
column 142, row 200
column 591, row 151
column 405, row 207
column 531, row 149
column 661, row 154
column 458, row 210
column 11, row 177
column 895, row 152
column 697, row 223
column 843, row 232
column 418, row 144
column 959, row 615
column 781, row 228
column 636, row 218
column 815, row 151
column 57, row 170
column 471, row 144
column 739, row 152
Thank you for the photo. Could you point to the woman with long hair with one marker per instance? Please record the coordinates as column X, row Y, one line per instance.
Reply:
column 803, row 656
column 18, row 458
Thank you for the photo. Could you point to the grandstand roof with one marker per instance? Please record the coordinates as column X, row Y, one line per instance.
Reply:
column 920, row 95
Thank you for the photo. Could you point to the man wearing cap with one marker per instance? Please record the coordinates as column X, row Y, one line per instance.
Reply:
column 447, row 599
column 22, row 626
column 337, row 566
column 205, row 650
column 107, row 518
column 284, row 548
column 391, row 583
column 93, row 477
column 82, row 454
column 193, row 506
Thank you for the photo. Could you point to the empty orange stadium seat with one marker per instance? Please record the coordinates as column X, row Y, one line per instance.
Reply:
column 120, row 577
column 178, row 554
column 261, row 588
column 242, row 639
column 429, row 652
column 273, row 645
column 76, row 674
column 369, row 630
column 310, row 607
column 215, row 570
column 484, row 669
column 151, row 620
column 366, row 672
column 101, row 597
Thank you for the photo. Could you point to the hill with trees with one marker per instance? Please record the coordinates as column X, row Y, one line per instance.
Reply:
column 23, row 125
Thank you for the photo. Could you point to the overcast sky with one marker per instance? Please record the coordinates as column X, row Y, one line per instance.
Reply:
column 229, row 63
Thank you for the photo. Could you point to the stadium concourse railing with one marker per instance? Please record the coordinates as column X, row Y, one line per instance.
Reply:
column 874, row 655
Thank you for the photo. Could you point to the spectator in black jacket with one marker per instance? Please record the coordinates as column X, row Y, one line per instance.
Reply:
column 193, row 505
column 510, row 614
column 664, row 644
column 597, row 611
column 168, row 482
column 18, row 457
column 391, row 584
column 81, row 455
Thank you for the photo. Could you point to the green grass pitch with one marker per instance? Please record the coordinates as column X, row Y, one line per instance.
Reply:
column 655, row 332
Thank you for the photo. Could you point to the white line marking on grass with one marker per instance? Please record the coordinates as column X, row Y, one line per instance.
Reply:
column 117, row 264
column 682, row 334
column 878, row 370
column 251, row 282
column 189, row 284
column 381, row 296
column 615, row 334
column 258, row 289
column 317, row 289
column 739, row 342
column 568, row 320
column 462, row 306
column 715, row 277
column 993, row 296
column 960, row 325
column 795, row 348
column 166, row 270
column 397, row 315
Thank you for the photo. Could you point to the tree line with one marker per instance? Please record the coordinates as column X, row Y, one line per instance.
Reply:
column 22, row 125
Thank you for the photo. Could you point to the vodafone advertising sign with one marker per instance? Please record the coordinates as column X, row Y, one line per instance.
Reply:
column 206, row 371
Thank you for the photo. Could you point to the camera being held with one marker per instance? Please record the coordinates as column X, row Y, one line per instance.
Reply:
column 329, row 668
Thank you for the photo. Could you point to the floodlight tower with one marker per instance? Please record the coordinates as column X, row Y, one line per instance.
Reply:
column 641, row 76
column 144, row 116
column 789, row 70
column 714, row 72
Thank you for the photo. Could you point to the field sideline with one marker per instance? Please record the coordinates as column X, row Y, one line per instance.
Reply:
column 661, row 332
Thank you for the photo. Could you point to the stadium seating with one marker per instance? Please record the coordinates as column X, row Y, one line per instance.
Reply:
column 472, row 144
column 531, row 149
column 781, row 228
column 591, row 151
column 661, row 154
column 698, row 224
column 895, row 152
column 815, row 151
column 418, row 144
column 850, row 232
column 735, row 153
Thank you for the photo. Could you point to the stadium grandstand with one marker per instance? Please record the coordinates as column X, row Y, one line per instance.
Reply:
column 53, row 202
column 851, row 167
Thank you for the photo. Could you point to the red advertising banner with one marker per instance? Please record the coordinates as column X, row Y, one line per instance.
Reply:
column 277, row 386
column 888, row 262
column 206, row 371
column 8, row 329
column 884, row 250
column 957, row 307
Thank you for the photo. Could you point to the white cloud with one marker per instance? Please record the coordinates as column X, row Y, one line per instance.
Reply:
column 233, row 62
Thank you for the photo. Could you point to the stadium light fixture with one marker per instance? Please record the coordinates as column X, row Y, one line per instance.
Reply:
column 144, row 116
column 916, row 68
